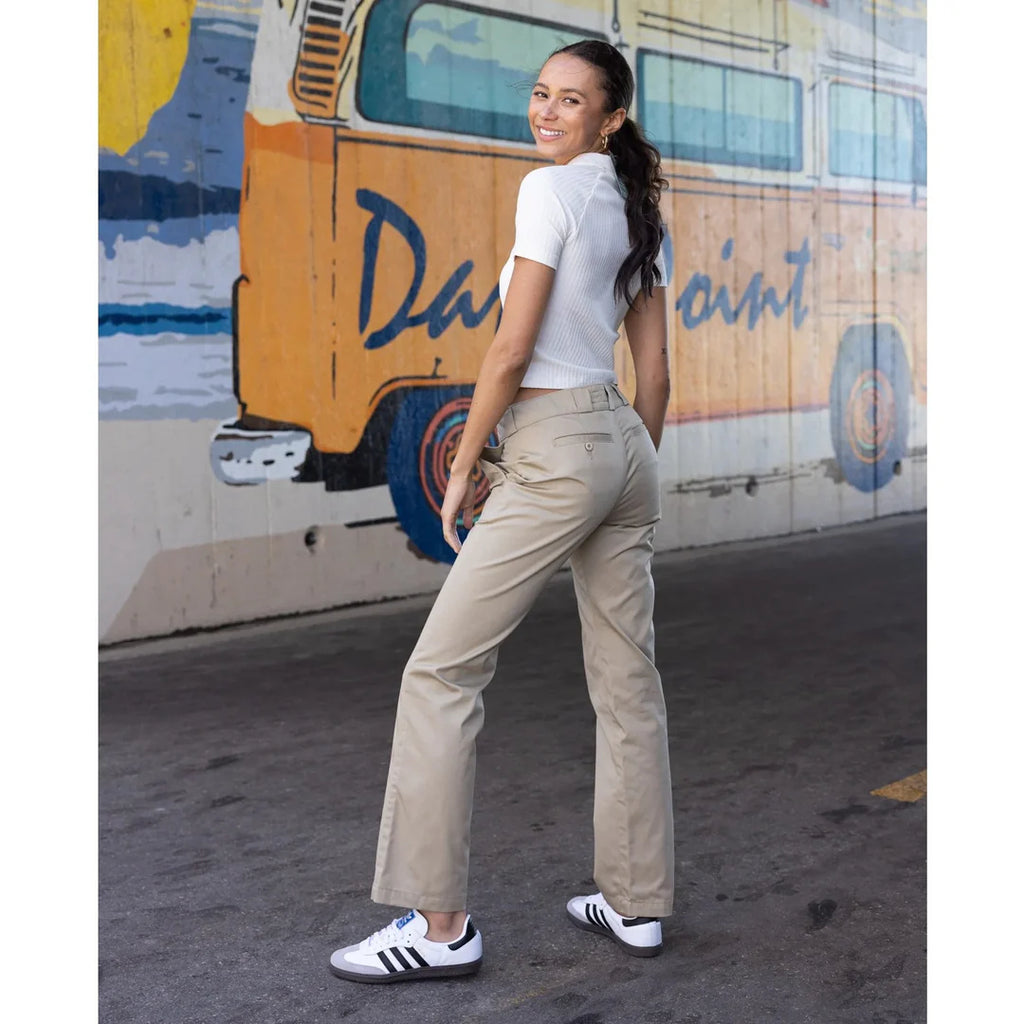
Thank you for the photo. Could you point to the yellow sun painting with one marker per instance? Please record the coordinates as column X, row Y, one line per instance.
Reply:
column 142, row 49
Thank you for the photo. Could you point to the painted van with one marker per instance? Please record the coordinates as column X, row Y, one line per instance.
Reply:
column 384, row 145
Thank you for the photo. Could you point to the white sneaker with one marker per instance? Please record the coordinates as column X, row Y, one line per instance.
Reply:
column 402, row 952
column 638, row 936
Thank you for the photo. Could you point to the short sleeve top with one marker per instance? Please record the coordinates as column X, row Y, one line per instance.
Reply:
column 573, row 218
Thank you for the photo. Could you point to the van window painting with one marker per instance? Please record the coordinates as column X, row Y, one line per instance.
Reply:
column 450, row 68
column 700, row 111
column 875, row 134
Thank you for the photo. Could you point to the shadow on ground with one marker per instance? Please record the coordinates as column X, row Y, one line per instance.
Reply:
column 241, row 777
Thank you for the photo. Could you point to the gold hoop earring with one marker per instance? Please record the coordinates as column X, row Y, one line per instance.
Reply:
column 604, row 143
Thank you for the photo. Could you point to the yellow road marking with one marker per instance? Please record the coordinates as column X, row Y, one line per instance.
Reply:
column 912, row 788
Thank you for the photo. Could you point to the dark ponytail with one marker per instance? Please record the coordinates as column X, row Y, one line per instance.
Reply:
column 637, row 164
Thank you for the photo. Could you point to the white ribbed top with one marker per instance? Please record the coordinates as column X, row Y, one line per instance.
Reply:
column 573, row 218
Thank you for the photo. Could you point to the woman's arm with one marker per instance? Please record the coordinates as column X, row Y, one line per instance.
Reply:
column 647, row 333
column 500, row 375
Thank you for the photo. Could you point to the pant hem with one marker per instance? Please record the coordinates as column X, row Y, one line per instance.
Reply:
column 416, row 900
column 638, row 908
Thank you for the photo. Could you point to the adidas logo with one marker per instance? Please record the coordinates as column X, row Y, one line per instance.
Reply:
column 405, row 920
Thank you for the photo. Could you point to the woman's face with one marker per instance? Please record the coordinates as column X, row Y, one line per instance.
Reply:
column 567, row 115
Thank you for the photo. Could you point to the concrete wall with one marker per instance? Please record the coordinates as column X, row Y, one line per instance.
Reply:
column 300, row 228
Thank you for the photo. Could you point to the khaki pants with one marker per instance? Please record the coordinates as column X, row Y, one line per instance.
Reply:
column 575, row 478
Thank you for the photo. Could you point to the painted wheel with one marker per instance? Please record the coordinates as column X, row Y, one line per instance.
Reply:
column 870, row 406
column 424, row 439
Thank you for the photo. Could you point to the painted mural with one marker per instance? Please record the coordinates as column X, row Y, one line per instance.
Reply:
column 168, row 205
column 304, row 205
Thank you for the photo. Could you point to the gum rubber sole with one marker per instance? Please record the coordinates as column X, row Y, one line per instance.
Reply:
column 413, row 974
column 631, row 950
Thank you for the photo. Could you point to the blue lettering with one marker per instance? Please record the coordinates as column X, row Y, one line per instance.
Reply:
column 698, row 303
column 386, row 212
column 752, row 296
column 721, row 303
column 800, row 258
column 700, row 284
column 447, row 305
column 440, row 314
column 756, row 297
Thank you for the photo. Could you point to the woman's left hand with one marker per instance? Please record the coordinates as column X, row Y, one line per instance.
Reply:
column 459, row 497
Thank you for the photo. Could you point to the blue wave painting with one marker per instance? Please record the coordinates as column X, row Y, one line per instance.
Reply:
column 168, row 237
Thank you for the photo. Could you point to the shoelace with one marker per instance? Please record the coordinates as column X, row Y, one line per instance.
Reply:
column 386, row 937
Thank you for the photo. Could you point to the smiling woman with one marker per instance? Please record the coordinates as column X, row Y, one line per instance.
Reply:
column 567, row 112
column 574, row 480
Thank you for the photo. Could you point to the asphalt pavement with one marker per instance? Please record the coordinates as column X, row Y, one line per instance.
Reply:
column 242, row 774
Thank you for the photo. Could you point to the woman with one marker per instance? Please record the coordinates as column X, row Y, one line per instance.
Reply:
column 574, row 477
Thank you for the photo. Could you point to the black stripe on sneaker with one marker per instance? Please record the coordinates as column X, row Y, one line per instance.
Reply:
column 386, row 962
column 629, row 922
column 586, row 912
column 412, row 952
column 397, row 954
column 604, row 920
column 470, row 932
column 595, row 917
